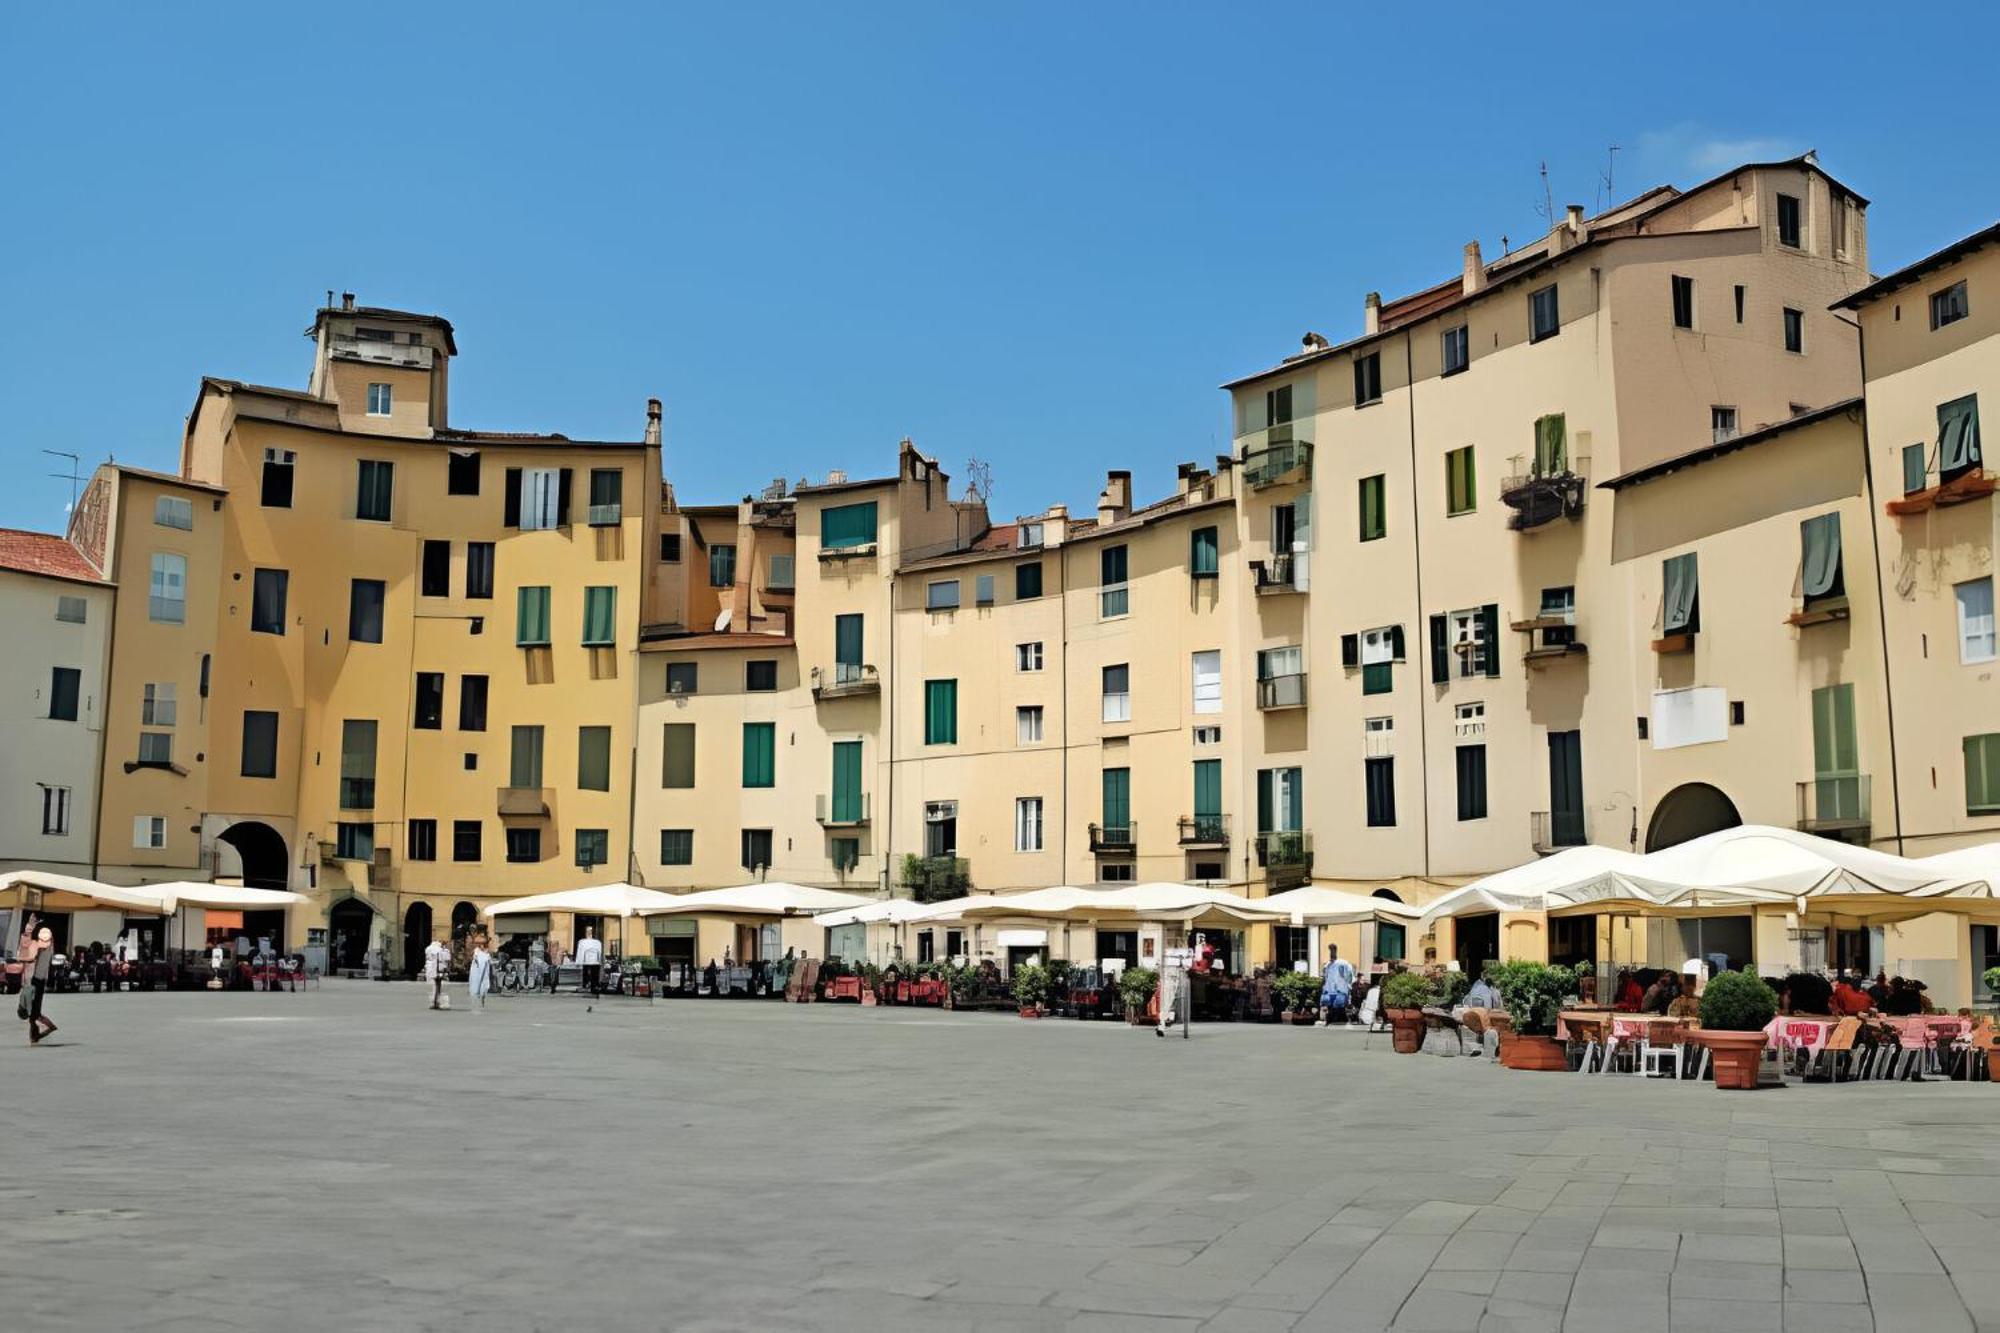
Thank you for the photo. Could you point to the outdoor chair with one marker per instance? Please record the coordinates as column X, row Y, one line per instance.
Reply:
column 1838, row 1053
column 1663, row 1045
column 1587, row 1039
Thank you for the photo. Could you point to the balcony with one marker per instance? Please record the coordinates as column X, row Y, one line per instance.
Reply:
column 1836, row 807
column 606, row 515
column 1204, row 830
column 357, row 793
column 845, row 678
column 1286, row 857
column 1114, row 839
column 1540, row 495
column 1279, row 460
column 851, row 551
column 1275, row 575
column 1820, row 611
column 1973, row 484
column 1551, row 638
column 842, row 809
column 1276, row 692
column 525, row 802
column 933, row 879
column 1553, row 830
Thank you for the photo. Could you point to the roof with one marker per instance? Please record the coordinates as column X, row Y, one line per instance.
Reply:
column 835, row 487
column 1922, row 268
column 170, row 479
column 1729, row 446
column 46, row 555
column 496, row 438
column 386, row 313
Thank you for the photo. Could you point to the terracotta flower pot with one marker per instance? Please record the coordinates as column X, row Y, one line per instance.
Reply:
column 1993, row 1066
column 1737, row 1056
column 1406, row 1030
column 1030, row 1011
column 1531, row 1052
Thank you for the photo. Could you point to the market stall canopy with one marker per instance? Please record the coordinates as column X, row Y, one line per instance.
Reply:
column 892, row 911
column 1799, row 865
column 778, row 899
column 1316, row 905
column 1982, row 861
column 66, row 893
column 1580, row 874
column 619, row 900
column 1157, row 901
column 192, row 893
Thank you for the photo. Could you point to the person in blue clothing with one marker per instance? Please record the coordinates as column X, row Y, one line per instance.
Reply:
column 1336, row 986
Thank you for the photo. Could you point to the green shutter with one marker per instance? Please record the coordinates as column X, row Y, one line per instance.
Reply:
column 1836, row 756
column 531, row 617
column 1207, row 789
column 1203, row 556
column 1117, row 798
column 760, row 743
column 846, row 781
column 1982, row 774
column 1958, row 436
column 941, row 712
column 525, row 767
column 1374, row 521
column 1551, row 445
column 1819, row 541
column 847, row 525
column 593, row 758
column 1682, row 588
column 599, row 616
column 1916, row 467
column 1489, row 629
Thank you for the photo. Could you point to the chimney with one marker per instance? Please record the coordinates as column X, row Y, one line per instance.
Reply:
column 347, row 300
column 1115, row 502
column 1371, row 314
column 652, row 421
column 1575, row 220
column 1192, row 477
column 1475, row 270
column 1312, row 342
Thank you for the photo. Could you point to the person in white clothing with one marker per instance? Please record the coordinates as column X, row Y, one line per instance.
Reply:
column 590, row 957
column 479, row 977
column 437, row 965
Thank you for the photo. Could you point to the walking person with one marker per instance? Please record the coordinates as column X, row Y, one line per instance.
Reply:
column 1336, row 987
column 479, row 976
column 590, row 957
column 38, row 955
column 437, row 966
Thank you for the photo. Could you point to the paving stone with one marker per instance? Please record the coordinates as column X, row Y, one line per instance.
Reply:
column 1818, row 1286
column 1911, row 1303
column 1808, row 1317
column 1805, row 1250
column 1477, row 1250
column 1728, row 1282
column 1884, row 1254
column 1697, row 1315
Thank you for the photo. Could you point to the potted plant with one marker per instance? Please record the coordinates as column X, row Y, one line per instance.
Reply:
column 1735, row 1008
column 1534, row 995
column 1298, row 996
column 1404, row 996
column 1031, row 987
column 1136, row 986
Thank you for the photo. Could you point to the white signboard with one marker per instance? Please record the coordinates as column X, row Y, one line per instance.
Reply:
column 1689, row 717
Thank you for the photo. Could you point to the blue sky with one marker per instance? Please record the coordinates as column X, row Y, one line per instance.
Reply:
column 1037, row 235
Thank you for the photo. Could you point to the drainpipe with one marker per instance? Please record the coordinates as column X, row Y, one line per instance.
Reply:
column 1881, row 588
column 103, row 738
column 1419, row 625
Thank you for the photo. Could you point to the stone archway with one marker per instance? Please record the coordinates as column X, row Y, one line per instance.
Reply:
column 1688, row 811
column 464, row 920
column 1389, row 894
column 261, row 849
column 350, row 931
column 416, row 937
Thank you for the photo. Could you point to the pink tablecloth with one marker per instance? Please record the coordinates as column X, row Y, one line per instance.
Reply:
column 1799, row 1034
column 1926, row 1029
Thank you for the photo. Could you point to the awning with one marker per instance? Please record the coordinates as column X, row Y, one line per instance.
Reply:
column 778, row 899
column 69, row 893
column 191, row 893
column 620, row 900
column 1315, row 905
column 1156, row 901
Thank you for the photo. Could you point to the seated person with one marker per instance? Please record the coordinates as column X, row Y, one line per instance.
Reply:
column 1484, row 994
column 1659, row 995
column 1629, row 994
column 1849, row 999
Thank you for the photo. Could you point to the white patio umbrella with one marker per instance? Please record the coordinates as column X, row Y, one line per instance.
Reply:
column 1317, row 905
column 192, row 893
column 622, row 901
column 67, row 892
column 773, row 899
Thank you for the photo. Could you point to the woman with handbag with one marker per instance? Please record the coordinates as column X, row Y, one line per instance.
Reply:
column 38, row 952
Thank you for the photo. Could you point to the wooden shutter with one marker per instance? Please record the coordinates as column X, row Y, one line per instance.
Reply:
column 511, row 517
column 1440, row 650
column 1489, row 624
column 1350, row 650
column 562, row 498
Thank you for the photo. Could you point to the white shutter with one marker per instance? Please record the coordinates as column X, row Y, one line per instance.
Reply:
column 1208, row 681
column 1302, row 541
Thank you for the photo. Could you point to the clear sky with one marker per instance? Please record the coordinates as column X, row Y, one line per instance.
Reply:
column 1037, row 235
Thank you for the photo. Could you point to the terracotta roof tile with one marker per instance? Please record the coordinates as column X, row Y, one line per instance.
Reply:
column 44, row 553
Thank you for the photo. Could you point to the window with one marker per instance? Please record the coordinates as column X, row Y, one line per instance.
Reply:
column 354, row 841
column 1680, row 605
column 1471, row 782
column 1208, row 735
column 843, row 527
column 364, row 610
column 531, row 617
column 524, row 845
column 781, row 577
column 1950, row 305
column 1975, row 620
column 357, row 764
column 1958, row 437
column 593, row 847
column 472, row 703
column 1916, row 467
column 1028, row 724
column 65, row 691
column 174, row 511
column 380, row 398
column 1028, row 656
column 1206, row 669
column 1380, row 649
column 423, row 840
column 940, row 828
column 1367, row 379
column 760, row 676
column 940, row 712
column 677, row 751
column 430, row 700
column 1469, row 720
column 1118, row 693
column 1457, row 349
column 1460, row 485
column 260, row 744
column 1028, row 824
column 71, row 610
column 1117, row 828
column 375, row 490
column 1374, row 513
column 1114, row 598
column 593, row 758
column 982, row 590
column 1721, row 423
column 1379, row 775
column 607, row 497
column 1552, row 445
column 1683, row 291
column 756, row 849
column 156, row 749
column 1028, row 536
column 760, row 748
column 1982, row 774
column 1820, row 576
column 156, row 708
column 479, row 569
column 275, row 491
column 1278, row 405
column 1741, row 293
column 845, row 853
column 461, row 476
column 1544, row 319
column 1117, row 872
column 55, row 811
column 1204, row 555
column 1378, row 735
column 1280, row 800
column 1795, row 330
column 676, row 846
column 722, row 566
column 525, row 759
column 267, row 601
column 434, row 573
column 149, row 832
column 166, row 603
column 1028, row 581
column 1789, row 217
column 670, row 548
column 600, row 613
column 537, row 498
column 941, row 595
column 683, row 677
column 465, row 839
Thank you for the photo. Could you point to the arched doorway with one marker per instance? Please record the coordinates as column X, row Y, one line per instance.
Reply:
column 1390, row 894
column 262, row 852
column 1688, row 811
column 416, row 938
column 464, row 916
column 350, row 925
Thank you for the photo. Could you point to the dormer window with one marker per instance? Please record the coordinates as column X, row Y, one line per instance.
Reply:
column 379, row 399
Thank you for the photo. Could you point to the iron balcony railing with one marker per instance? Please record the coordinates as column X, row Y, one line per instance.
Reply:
column 934, row 878
column 1204, row 830
column 1114, row 839
column 1553, row 830
column 1835, row 804
column 1282, row 692
column 841, row 809
column 1284, row 848
column 1278, row 459
column 1275, row 574
column 845, row 678
column 1538, row 493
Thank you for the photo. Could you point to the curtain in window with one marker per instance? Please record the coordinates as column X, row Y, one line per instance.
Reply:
column 1680, row 597
column 1207, row 669
column 1203, row 556
column 1819, row 539
column 599, row 612
column 531, row 622
column 847, row 525
column 1958, row 436
column 1551, row 445
column 847, row 641
column 940, row 712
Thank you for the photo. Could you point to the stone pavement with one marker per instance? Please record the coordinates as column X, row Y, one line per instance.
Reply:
column 345, row 1158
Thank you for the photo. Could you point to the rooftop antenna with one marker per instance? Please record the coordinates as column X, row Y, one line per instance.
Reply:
column 69, row 476
column 1610, row 173
column 1548, row 209
column 978, row 480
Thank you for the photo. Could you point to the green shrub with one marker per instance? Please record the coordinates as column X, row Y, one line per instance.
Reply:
column 1534, row 995
column 1031, row 985
column 1408, row 990
column 1991, row 976
column 1807, row 993
column 1737, row 1002
column 1454, row 986
column 1297, row 991
column 1136, row 986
